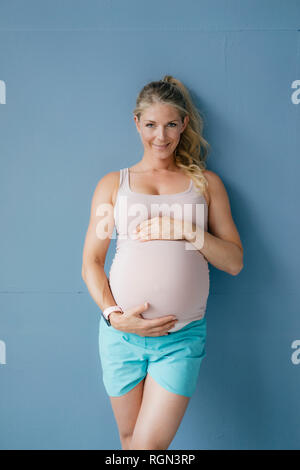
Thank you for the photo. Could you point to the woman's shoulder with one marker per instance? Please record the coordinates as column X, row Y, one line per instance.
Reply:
column 210, row 175
column 109, row 185
column 213, row 179
column 214, row 182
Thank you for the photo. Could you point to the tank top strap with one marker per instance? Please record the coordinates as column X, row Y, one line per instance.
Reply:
column 123, row 179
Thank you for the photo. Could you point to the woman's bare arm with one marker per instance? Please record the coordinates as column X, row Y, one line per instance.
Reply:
column 221, row 245
column 97, row 241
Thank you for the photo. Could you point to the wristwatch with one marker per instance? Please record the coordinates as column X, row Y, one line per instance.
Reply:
column 108, row 310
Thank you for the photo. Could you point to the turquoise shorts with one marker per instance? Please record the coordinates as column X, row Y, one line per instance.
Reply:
column 172, row 360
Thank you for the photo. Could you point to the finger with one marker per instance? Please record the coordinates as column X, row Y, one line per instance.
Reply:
column 160, row 321
column 161, row 328
column 165, row 329
column 150, row 233
column 143, row 235
column 160, row 333
column 144, row 224
column 147, row 231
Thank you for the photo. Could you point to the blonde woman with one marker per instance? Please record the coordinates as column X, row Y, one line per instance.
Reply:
column 152, row 330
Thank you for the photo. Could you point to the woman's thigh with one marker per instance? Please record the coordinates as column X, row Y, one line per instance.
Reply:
column 126, row 409
column 159, row 417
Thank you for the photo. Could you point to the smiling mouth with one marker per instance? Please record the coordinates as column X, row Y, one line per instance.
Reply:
column 160, row 146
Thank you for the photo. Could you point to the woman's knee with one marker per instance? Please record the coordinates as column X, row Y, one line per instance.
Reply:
column 126, row 442
column 140, row 444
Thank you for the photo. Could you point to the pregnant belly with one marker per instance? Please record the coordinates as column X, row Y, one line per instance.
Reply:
column 174, row 280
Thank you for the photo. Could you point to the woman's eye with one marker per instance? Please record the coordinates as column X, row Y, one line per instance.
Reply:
column 172, row 124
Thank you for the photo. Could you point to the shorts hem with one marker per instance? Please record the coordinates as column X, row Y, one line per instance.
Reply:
column 131, row 387
column 169, row 389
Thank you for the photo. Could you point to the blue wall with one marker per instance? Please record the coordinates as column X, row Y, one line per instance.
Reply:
column 70, row 73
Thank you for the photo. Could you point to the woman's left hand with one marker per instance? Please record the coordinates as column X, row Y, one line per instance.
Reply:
column 159, row 228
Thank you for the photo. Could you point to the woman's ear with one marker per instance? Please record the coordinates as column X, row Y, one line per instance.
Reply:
column 136, row 120
column 185, row 121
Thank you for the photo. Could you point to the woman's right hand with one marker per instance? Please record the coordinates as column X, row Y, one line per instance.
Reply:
column 131, row 321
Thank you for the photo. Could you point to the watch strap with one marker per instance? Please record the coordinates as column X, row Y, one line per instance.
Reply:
column 107, row 311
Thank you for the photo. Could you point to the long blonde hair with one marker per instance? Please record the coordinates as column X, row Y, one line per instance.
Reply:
column 192, row 150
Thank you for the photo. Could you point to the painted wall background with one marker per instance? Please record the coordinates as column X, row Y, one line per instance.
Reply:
column 70, row 72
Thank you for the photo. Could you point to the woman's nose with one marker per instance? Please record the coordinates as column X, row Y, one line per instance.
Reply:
column 161, row 133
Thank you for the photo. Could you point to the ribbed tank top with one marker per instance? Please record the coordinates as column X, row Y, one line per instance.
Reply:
column 170, row 274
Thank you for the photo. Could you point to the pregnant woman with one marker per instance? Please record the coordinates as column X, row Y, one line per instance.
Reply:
column 152, row 330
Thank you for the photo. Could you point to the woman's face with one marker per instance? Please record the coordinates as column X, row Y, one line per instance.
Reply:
column 160, row 128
